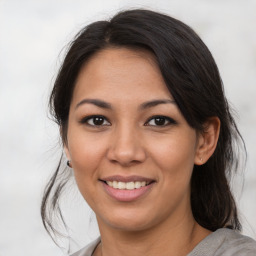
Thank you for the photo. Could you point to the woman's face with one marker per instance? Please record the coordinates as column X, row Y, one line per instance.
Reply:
column 131, row 149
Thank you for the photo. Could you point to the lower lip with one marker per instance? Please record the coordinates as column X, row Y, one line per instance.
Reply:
column 126, row 195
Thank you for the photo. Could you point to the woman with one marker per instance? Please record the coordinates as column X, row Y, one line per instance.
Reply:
column 149, row 136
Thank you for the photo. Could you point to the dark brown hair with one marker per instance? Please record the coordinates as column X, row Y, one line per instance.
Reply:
column 193, row 79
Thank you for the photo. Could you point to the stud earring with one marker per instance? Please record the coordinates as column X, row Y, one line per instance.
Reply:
column 69, row 164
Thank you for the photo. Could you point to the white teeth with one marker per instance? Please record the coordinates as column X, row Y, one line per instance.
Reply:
column 127, row 185
column 130, row 185
column 137, row 184
column 110, row 183
column 121, row 185
column 115, row 184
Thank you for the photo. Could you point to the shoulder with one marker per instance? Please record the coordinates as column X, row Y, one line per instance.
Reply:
column 222, row 242
column 225, row 242
column 88, row 250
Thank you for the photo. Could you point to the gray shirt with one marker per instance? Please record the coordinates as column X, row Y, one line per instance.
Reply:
column 222, row 242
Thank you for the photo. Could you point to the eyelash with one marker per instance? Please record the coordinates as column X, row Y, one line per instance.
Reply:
column 168, row 119
column 86, row 119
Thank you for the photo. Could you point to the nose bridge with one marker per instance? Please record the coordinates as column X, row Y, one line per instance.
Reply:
column 126, row 145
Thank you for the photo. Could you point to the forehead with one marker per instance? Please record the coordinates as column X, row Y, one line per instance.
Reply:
column 121, row 72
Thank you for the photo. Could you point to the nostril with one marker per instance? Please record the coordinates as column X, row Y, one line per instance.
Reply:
column 126, row 152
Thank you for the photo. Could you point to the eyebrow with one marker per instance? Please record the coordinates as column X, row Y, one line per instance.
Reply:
column 152, row 103
column 143, row 106
column 96, row 102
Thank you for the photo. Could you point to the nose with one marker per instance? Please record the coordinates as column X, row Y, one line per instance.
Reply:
column 126, row 147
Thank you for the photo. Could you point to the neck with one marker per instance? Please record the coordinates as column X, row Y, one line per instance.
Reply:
column 165, row 239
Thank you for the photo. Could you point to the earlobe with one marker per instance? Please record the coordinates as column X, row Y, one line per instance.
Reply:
column 69, row 164
column 207, row 140
column 65, row 147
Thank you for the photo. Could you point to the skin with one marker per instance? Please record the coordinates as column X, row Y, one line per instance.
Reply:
column 130, row 142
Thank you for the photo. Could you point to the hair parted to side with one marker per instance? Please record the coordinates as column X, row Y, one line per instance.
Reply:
column 193, row 79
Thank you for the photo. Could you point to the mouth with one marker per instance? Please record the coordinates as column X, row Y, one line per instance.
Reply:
column 127, row 185
column 127, row 188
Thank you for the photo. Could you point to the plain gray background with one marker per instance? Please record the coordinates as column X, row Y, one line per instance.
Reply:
column 32, row 35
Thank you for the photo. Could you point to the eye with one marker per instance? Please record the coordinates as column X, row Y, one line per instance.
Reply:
column 160, row 121
column 95, row 120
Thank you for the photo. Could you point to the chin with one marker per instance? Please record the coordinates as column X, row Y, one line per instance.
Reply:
column 129, row 221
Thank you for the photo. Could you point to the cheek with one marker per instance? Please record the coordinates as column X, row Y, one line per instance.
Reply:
column 86, row 157
column 84, row 149
column 86, row 153
column 175, row 156
column 175, row 160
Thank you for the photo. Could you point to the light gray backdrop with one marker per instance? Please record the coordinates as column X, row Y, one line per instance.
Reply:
column 32, row 34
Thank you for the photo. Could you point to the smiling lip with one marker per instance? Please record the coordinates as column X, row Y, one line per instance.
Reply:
column 125, row 195
column 126, row 179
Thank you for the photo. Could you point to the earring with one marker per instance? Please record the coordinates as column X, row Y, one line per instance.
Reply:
column 69, row 164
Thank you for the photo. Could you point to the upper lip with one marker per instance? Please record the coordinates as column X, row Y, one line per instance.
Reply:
column 127, row 178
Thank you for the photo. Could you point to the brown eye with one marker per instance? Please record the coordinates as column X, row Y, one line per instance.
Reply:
column 95, row 121
column 160, row 121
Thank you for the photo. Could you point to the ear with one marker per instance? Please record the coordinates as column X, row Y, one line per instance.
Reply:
column 65, row 143
column 66, row 150
column 207, row 140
